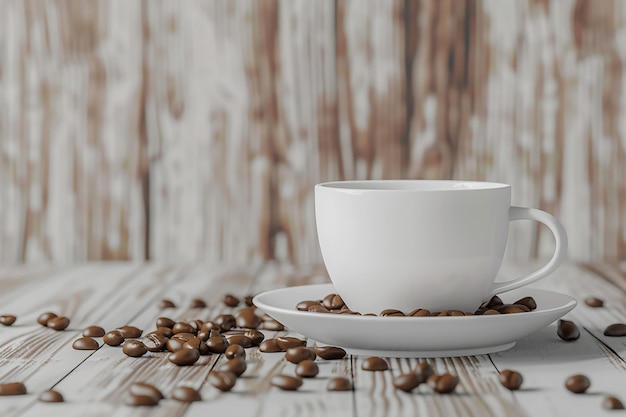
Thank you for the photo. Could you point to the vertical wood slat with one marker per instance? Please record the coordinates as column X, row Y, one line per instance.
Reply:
column 198, row 130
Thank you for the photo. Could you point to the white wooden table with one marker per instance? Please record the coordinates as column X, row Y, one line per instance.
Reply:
column 114, row 294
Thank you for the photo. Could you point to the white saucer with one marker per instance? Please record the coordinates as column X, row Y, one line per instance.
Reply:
column 413, row 336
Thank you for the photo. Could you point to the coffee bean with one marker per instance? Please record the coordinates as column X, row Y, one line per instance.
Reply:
column 299, row 353
column 490, row 312
column 165, row 322
column 270, row 346
column 7, row 319
column 443, row 384
column 145, row 389
column 164, row 331
column 45, row 317
column 58, row 323
column 612, row 403
column 239, row 339
column 204, row 349
column 93, row 331
column 374, row 363
column 51, row 396
column 230, row 300
column 165, row 303
column 255, row 336
column 329, row 352
column 286, row 342
column 304, row 305
column 235, row 351
column 512, row 309
column 236, row 365
column 492, row 302
column 339, row 384
column 197, row 303
column 307, row 369
column 615, row 330
column 134, row 348
column 451, row 313
column 248, row 300
column 246, row 319
column 528, row 302
column 333, row 302
column 567, row 330
column 226, row 322
column 175, row 344
column 511, row 380
column 193, row 343
column 407, row 382
column 271, row 324
column 184, row 357
column 186, row 394
column 594, row 302
column 577, row 384
column 286, row 382
column 85, row 343
column 184, row 336
column 154, row 342
column 424, row 371
column 113, row 338
column 222, row 380
column 183, row 327
column 419, row 312
column 140, row 400
column 318, row 309
column 390, row 312
column 217, row 344
column 12, row 388
column 130, row 332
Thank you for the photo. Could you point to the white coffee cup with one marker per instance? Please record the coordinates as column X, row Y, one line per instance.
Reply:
column 408, row 244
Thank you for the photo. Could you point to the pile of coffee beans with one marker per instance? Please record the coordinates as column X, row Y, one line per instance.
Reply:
column 333, row 303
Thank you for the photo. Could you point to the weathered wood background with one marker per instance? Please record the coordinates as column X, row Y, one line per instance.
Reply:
column 197, row 129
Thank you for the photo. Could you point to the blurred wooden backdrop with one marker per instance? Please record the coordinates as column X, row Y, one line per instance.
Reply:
column 197, row 129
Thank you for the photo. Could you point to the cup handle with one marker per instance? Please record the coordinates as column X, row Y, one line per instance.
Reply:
column 525, row 213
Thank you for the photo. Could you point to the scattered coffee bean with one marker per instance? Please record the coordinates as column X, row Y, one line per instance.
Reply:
column 134, row 348
column 339, row 384
column 390, row 312
column 175, row 344
column 374, row 363
column 235, row 351
column 45, row 317
column 140, row 400
column 612, row 403
column 130, row 332
column 567, row 330
column 299, row 353
column 113, row 338
column 424, row 371
column 271, row 324
column 286, row 342
column 164, row 331
column 93, row 331
column 577, row 384
column 511, row 380
column 270, row 346
column 307, row 369
column 286, row 382
column 333, row 302
column 184, row 357
column 165, row 303
column 51, row 396
column 615, row 330
column 207, row 326
column 186, row 394
column 145, row 389
column 594, row 302
column 528, row 302
column 165, row 322
column 407, row 382
column 248, row 300
column 443, row 384
column 239, row 339
column 222, row 380
column 183, row 327
column 246, row 319
column 154, row 342
column 184, row 336
column 230, row 300
column 58, row 323
column 12, row 388
column 255, row 336
column 226, row 322
column 217, row 344
column 193, row 343
column 197, row 303
column 419, row 312
column 7, row 319
column 85, row 343
column 304, row 305
column 236, row 365
column 329, row 352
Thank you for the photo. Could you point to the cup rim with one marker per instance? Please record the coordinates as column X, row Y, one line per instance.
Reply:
column 409, row 185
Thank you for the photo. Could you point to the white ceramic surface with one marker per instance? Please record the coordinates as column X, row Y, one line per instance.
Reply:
column 413, row 336
column 433, row 244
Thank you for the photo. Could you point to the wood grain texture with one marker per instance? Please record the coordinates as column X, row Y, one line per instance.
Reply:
column 153, row 130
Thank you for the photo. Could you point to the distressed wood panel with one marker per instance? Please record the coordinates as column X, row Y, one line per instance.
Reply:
column 196, row 130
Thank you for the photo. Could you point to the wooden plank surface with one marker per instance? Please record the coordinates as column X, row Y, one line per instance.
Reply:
column 196, row 131
column 110, row 295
